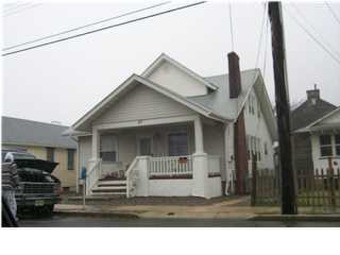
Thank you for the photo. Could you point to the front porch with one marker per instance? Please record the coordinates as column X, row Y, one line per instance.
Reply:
column 159, row 160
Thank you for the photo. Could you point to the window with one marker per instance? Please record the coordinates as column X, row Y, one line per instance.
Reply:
column 178, row 144
column 325, row 145
column 145, row 146
column 258, row 149
column 50, row 154
column 248, row 146
column 70, row 159
column 108, row 148
column 337, row 145
column 265, row 148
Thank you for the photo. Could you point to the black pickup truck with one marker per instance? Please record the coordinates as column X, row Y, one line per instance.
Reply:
column 38, row 189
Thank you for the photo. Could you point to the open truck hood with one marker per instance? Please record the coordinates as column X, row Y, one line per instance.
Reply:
column 39, row 164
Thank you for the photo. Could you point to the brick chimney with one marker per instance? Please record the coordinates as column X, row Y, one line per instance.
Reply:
column 234, row 75
column 313, row 95
column 240, row 145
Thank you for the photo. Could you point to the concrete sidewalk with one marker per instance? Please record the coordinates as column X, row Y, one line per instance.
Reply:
column 224, row 209
column 237, row 208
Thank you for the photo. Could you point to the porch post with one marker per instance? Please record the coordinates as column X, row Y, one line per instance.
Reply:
column 199, row 163
column 95, row 143
column 199, row 148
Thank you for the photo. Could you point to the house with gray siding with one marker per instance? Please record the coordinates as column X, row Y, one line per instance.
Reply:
column 307, row 140
column 172, row 132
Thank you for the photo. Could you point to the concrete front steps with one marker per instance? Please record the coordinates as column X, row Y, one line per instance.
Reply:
column 110, row 188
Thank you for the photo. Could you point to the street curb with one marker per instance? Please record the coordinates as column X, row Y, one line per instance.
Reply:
column 97, row 214
column 316, row 218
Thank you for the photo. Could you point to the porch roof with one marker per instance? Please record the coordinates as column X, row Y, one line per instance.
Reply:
column 322, row 125
column 130, row 83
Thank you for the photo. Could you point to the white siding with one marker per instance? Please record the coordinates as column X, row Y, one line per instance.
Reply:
column 229, row 152
column 142, row 103
column 318, row 161
column 85, row 149
column 257, row 127
column 214, row 187
column 214, row 143
column 170, row 188
column 178, row 81
column 333, row 119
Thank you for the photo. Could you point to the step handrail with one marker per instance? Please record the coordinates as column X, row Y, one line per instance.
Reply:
column 131, row 175
column 93, row 175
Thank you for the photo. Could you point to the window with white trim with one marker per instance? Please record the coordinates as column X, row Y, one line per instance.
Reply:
column 178, row 144
column 337, row 144
column 325, row 145
column 108, row 148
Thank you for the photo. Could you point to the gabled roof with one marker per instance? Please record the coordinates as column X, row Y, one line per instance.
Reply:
column 130, row 83
column 163, row 57
column 307, row 113
column 220, row 102
column 317, row 125
column 215, row 105
column 32, row 133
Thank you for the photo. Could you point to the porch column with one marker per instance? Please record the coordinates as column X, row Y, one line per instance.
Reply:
column 95, row 144
column 199, row 163
column 142, row 189
column 199, row 148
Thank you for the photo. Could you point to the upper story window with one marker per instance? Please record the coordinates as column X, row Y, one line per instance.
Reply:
column 258, row 147
column 325, row 145
column 108, row 148
column 254, row 147
column 265, row 148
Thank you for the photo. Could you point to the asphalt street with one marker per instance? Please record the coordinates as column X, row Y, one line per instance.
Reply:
column 71, row 221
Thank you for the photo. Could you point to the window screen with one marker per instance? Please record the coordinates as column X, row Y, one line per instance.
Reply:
column 325, row 145
column 178, row 144
column 108, row 148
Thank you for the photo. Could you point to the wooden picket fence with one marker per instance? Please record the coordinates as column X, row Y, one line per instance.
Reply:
column 320, row 188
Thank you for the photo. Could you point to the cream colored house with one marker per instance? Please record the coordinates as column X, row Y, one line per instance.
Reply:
column 45, row 141
column 172, row 132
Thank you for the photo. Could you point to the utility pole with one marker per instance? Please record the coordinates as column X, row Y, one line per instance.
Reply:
column 288, row 200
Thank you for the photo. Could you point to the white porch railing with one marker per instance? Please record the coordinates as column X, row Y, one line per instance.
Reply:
column 93, row 174
column 214, row 166
column 171, row 165
column 131, row 175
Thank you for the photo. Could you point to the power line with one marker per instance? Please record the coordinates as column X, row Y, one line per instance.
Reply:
column 231, row 27
column 313, row 28
column 21, row 10
column 261, row 34
column 14, row 6
column 84, row 26
column 104, row 28
column 313, row 37
column 266, row 47
column 333, row 13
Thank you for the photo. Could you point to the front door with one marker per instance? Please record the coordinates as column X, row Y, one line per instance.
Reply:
column 145, row 146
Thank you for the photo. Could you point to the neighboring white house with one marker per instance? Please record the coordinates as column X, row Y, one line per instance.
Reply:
column 325, row 140
column 170, row 132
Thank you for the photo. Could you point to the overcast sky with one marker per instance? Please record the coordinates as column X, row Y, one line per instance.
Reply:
column 61, row 82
